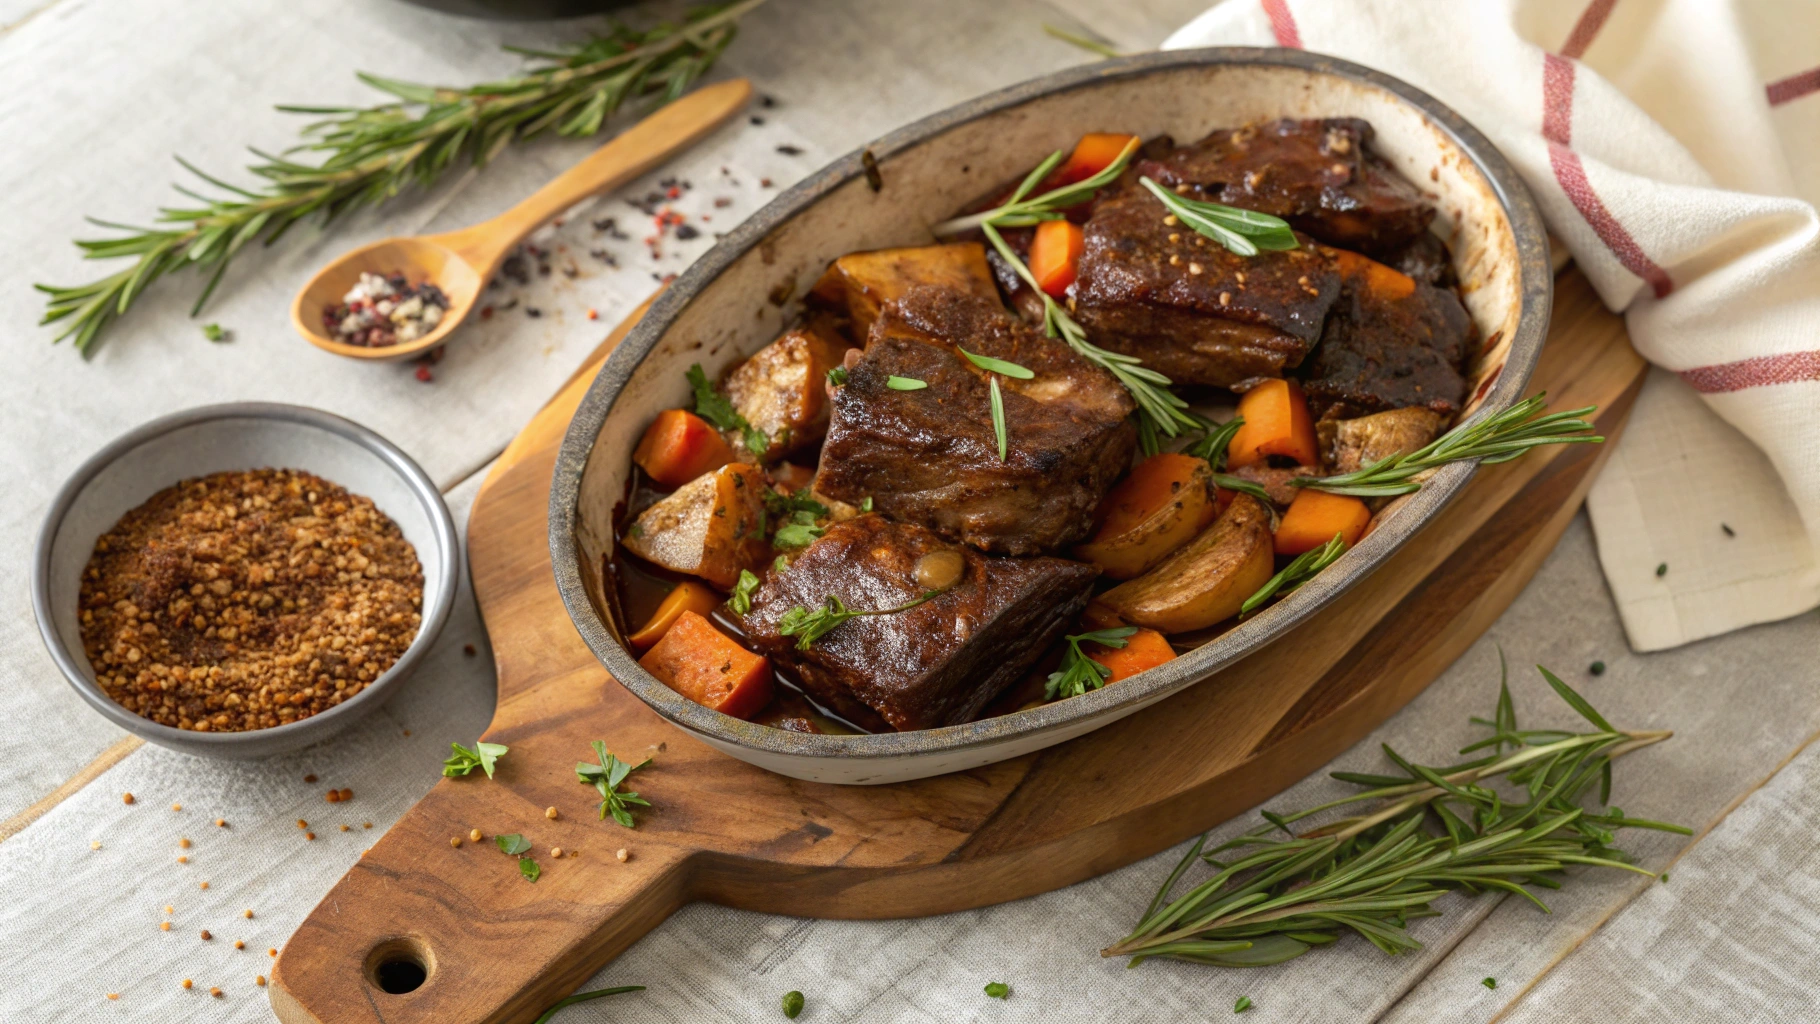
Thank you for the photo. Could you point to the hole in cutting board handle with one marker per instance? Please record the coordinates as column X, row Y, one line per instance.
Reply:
column 400, row 965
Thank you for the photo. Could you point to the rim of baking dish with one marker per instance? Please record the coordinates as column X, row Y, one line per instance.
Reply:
column 1536, row 287
column 435, row 607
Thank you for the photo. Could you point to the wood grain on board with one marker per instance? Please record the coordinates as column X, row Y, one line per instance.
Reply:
column 498, row 949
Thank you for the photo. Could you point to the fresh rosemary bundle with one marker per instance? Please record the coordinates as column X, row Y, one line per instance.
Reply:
column 1272, row 898
column 368, row 155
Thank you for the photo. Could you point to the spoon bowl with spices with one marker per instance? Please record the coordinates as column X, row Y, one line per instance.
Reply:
column 400, row 297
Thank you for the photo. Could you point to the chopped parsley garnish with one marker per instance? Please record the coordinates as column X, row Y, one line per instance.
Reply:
column 742, row 592
column 463, row 761
column 837, row 376
column 606, row 777
column 998, row 989
column 715, row 407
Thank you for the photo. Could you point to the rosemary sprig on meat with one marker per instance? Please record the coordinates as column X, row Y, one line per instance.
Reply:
column 1297, row 572
column 1160, row 410
column 1080, row 673
column 1492, row 439
column 809, row 626
column 369, row 155
column 1242, row 231
column 1275, row 898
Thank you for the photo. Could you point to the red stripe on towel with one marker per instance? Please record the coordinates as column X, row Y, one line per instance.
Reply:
column 1793, row 87
column 1557, row 128
column 1591, row 21
column 1282, row 23
column 1754, row 372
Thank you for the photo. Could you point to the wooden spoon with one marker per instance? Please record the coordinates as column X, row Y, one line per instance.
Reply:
column 462, row 262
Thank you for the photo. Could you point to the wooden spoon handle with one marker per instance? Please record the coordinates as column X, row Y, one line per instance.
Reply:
column 634, row 151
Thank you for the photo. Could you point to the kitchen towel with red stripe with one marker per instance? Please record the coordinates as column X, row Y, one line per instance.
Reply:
column 1674, row 147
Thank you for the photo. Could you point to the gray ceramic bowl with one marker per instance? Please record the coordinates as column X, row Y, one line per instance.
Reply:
column 212, row 439
column 737, row 297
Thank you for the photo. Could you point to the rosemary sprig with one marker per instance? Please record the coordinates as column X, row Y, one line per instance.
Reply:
column 582, row 997
column 896, row 383
column 1435, row 829
column 1004, row 366
column 1241, row 231
column 1160, row 410
column 1214, row 442
column 1296, row 573
column 1500, row 437
column 369, row 155
column 1074, row 39
column 809, row 626
column 998, row 419
column 1080, row 673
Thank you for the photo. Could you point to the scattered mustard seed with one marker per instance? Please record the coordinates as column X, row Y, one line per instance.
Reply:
column 176, row 807
column 239, row 944
column 271, row 952
column 205, row 935
column 221, row 823
column 346, row 794
column 333, row 796
column 164, row 926
column 184, row 843
column 366, row 824
column 309, row 835
column 622, row 855
column 344, row 828
column 203, row 885
column 169, row 909
column 94, row 844
column 259, row 979
column 302, row 824
column 309, row 778
column 550, row 813
column 555, row 851
column 187, row 983
column 183, row 860
column 215, row 992
column 113, row 995
column 249, row 914
column 126, row 798
column 455, row 841
column 475, row 836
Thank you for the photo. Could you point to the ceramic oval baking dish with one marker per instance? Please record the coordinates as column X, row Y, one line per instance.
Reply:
column 741, row 295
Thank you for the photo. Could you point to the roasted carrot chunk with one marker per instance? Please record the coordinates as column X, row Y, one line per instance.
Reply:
column 687, row 597
column 1093, row 154
column 1386, row 283
column 680, row 446
column 1315, row 516
column 1276, row 423
column 1055, row 255
column 701, row 663
column 1144, row 649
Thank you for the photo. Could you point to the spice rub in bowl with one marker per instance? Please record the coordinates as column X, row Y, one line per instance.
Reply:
column 246, row 600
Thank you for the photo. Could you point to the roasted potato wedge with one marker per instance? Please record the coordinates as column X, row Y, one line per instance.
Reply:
column 781, row 390
column 861, row 282
column 711, row 527
column 1203, row 582
column 1157, row 508
column 1348, row 445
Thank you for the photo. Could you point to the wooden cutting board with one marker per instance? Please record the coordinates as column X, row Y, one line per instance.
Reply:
column 496, row 948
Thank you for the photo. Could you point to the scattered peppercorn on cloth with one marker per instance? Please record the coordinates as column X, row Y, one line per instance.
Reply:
column 1675, row 148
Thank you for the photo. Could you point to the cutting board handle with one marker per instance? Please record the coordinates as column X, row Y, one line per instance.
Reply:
column 480, row 944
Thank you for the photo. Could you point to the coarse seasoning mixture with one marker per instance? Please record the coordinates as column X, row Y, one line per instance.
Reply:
column 246, row 600
column 382, row 310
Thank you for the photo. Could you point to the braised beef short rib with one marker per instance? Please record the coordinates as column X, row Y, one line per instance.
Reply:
column 1319, row 175
column 1188, row 307
column 935, row 664
column 930, row 456
column 1392, row 342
